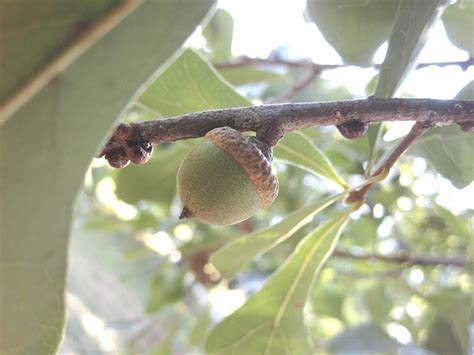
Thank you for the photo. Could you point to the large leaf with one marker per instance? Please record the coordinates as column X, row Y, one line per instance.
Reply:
column 296, row 149
column 323, row 90
column 467, row 92
column 449, row 149
column 271, row 321
column 458, row 21
column 441, row 338
column 453, row 307
column 355, row 28
column 218, row 34
column 231, row 258
column 249, row 74
column 34, row 31
column 376, row 300
column 364, row 339
column 154, row 181
column 413, row 24
column 45, row 149
column 190, row 84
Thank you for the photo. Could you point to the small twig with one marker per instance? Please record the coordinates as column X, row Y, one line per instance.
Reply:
column 243, row 61
column 410, row 259
column 85, row 40
column 272, row 122
column 373, row 275
column 305, row 64
column 417, row 130
column 298, row 87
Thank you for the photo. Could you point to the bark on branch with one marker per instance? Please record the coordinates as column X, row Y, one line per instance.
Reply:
column 271, row 122
column 307, row 64
column 406, row 258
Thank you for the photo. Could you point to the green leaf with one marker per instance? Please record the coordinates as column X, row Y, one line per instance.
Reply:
column 453, row 306
column 191, row 84
column 323, row 90
column 449, row 150
column 467, row 92
column 165, row 346
column 457, row 225
column 377, row 302
column 364, row 339
column 457, row 20
column 154, row 181
column 46, row 27
column 45, row 149
column 298, row 150
column 231, row 258
column 374, row 136
column 414, row 22
column 200, row 328
column 441, row 339
column 248, row 75
column 218, row 34
column 328, row 299
column 271, row 321
column 355, row 28
column 165, row 288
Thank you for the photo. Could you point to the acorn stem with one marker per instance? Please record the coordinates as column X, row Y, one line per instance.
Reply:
column 185, row 214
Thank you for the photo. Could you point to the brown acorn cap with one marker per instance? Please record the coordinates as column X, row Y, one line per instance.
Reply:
column 253, row 156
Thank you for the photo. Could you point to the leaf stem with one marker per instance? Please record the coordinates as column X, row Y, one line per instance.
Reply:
column 298, row 87
column 417, row 130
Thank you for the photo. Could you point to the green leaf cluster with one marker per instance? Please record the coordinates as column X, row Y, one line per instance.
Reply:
column 310, row 297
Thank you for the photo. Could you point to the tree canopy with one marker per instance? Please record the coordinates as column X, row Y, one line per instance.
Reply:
column 367, row 249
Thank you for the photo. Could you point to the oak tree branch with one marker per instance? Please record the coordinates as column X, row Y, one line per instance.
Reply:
column 307, row 64
column 416, row 131
column 271, row 122
column 405, row 258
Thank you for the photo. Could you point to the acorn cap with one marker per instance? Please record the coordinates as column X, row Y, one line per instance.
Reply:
column 253, row 156
column 226, row 178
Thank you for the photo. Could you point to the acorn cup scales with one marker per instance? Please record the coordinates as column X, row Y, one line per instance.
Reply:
column 226, row 178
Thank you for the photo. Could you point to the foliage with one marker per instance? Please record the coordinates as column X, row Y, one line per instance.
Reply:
column 293, row 268
column 356, row 29
column 88, row 97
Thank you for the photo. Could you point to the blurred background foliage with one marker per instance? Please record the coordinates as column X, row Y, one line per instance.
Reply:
column 400, row 280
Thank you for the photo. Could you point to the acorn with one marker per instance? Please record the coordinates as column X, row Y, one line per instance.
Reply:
column 226, row 178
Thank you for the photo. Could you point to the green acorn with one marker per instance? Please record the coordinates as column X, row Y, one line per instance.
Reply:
column 226, row 178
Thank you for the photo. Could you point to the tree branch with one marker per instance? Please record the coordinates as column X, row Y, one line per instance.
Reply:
column 417, row 130
column 307, row 64
column 271, row 122
column 298, row 87
column 411, row 259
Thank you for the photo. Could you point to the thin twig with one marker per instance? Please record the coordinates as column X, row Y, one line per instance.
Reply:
column 65, row 58
column 244, row 61
column 417, row 130
column 384, row 274
column 410, row 259
column 272, row 122
column 298, row 87
column 304, row 64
